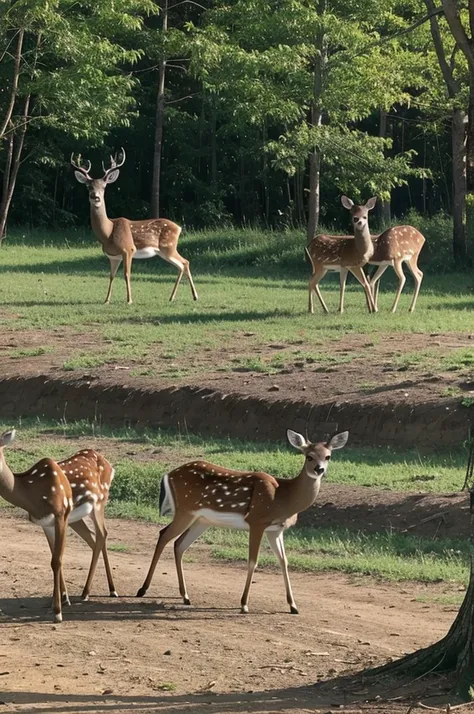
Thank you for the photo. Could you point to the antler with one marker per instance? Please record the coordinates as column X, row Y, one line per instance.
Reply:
column 82, row 169
column 114, row 163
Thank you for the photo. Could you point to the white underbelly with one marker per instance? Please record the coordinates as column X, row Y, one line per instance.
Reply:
column 145, row 253
column 46, row 522
column 222, row 519
column 334, row 268
column 380, row 262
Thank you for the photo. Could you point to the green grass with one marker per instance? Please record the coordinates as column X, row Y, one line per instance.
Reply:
column 250, row 283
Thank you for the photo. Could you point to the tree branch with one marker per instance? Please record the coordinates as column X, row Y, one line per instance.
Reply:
column 455, row 25
column 451, row 84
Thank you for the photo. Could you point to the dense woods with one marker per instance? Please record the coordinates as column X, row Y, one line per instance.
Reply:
column 248, row 112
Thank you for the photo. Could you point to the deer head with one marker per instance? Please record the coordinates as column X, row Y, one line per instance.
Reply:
column 96, row 187
column 359, row 214
column 317, row 455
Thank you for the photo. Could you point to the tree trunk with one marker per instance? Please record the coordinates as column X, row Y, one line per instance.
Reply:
column 159, row 122
column 315, row 157
column 14, row 86
column 458, row 135
column 383, row 207
column 15, row 149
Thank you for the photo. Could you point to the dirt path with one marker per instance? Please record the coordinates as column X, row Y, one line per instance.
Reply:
column 154, row 655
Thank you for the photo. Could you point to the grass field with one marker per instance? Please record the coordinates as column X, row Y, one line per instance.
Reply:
column 247, row 282
column 141, row 458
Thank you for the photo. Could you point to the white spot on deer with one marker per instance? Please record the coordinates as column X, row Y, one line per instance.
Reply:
column 66, row 502
column 34, row 471
column 30, row 481
column 53, row 489
column 45, row 498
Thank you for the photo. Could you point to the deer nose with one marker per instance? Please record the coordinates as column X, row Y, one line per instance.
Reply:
column 319, row 470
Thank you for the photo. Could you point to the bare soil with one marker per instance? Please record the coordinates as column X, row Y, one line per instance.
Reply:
column 155, row 655
column 358, row 368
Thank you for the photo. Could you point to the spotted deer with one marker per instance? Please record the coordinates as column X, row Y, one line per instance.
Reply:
column 199, row 495
column 43, row 491
column 123, row 239
column 343, row 253
column 90, row 476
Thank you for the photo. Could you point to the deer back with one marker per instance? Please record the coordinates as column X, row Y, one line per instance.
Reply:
column 337, row 251
column 43, row 491
column 90, row 476
column 399, row 242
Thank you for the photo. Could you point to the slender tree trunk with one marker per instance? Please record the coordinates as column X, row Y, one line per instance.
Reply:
column 266, row 191
column 458, row 142
column 159, row 121
column 213, row 146
column 15, row 149
column 14, row 85
column 383, row 207
column 315, row 157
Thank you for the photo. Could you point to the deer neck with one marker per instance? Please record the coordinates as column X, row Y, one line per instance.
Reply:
column 363, row 241
column 7, row 481
column 303, row 491
column 101, row 223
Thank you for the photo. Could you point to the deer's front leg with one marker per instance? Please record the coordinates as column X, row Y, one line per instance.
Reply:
column 115, row 261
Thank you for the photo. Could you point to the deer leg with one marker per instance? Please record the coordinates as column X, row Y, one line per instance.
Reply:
column 397, row 266
column 275, row 538
column 375, row 282
column 174, row 529
column 181, row 545
column 255, row 539
column 99, row 545
column 418, row 276
column 358, row 273
column 127, row 271
column 342, row 287
column 82, row 530
column 49, row 533
column 187, row 271
column 60, row 525
column 317, row 276
column 115, row 261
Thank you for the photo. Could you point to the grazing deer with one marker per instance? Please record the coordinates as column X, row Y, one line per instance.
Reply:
column 43, row 491
column 199, row 495
column 126, row 240
column 343, row 254
column 90, row 476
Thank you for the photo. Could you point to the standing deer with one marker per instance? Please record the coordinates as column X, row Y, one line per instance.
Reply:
column 126, row 240
column 393, row 247
column 90, row 476
column 343, row 254
column 199, row 495
column 43, row 491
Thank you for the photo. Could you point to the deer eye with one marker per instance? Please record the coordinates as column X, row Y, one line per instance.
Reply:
column 309, row 458
column 328, row 457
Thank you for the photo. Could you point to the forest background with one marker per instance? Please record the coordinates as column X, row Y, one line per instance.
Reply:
column 245, row 112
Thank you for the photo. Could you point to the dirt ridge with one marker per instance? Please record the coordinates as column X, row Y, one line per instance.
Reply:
column 202, row 410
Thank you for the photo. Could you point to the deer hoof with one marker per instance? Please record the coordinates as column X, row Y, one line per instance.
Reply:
column 141, row 592
column 244, row 609
column 294, row 610
column 186, row 601
column 113, row 593
column 58, row 617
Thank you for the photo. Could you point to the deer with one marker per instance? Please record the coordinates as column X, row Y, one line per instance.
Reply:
column 44, row 492
column 343, row 254
column 123, row 239
column 393, row 247
column 90, row 476
column 199, row 495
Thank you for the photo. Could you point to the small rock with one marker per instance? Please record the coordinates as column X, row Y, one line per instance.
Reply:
column 168, row 652
column 274, row 388
column 107, row 691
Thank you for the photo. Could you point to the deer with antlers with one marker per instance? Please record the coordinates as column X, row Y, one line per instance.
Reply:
column 58, row 494
column 343, row 254
column 127, row 240
column 199, row 495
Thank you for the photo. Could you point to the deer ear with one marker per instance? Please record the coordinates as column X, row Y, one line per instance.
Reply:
column 296, row 440
column 371, row 203
column 113, row 176
column 338, row 441
column 346, row 202
column 7, row 437
column 80, row 177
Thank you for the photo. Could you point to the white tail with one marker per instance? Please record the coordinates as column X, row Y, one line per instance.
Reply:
column 126, row 240
column 343, row 254
column 199, row 495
